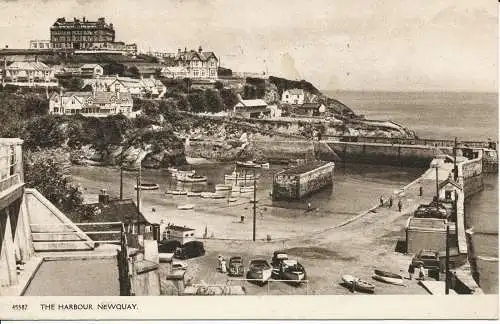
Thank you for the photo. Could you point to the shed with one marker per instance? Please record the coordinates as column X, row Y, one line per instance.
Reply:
column 428, row 234
column 179, row 233
column 251, row 108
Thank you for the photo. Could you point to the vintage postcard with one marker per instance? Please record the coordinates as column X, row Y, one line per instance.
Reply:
column 225, row 159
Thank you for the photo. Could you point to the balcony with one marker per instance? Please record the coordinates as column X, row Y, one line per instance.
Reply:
column 11, row 175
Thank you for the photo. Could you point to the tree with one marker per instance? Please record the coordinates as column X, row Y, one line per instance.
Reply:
column 133, row 72
column 213, row 101
column 48, row 172
column 114, row 68
column 197, row 101
column 72, row 84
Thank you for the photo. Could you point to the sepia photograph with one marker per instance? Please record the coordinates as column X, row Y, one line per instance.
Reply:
column 291, row 149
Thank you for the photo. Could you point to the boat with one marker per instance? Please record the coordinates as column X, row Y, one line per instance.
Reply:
column 388, row 277
column 254, row 200
column 176, row 192
column 253, row 164
column 235, row 176
column 193, row 194
column 172, row 170
column 213, row 195
column 223, row 187
column 191, row 178
column 361, row 285
column 246, row 189
column 232, row 199
column 148, row 186
column 185, row 207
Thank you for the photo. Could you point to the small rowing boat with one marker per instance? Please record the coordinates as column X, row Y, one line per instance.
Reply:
column 223, row 187
column 235, row 176
column 185, row 207
column 246, row 189
column 176, row 192
column 359, row 284
column 232, row 199
column 148, row 186
column 388, row 277
column 192, row 178
column 193, row 194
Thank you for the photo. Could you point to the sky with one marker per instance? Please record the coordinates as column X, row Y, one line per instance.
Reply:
column 382, row 45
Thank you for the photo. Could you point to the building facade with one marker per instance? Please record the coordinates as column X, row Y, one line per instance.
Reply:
column 40, row 44
column 29, row 74
column 199, row 64
column 254, row 108
column 81, row 34
column 91, row 70
column 293, row 97
column 95, row 104
column 137, row 88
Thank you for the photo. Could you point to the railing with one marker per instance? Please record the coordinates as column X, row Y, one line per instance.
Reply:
column 409, row 141
column 9, row 182
column 110, row 231
column 269, row 281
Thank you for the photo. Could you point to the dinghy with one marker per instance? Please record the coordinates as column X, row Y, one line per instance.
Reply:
column 176, row 192
column 223, row 187
column 185, row 207
column 191, row 178
column 193, row 194
column 360, row 285
column 388, row 277
column 148, row 186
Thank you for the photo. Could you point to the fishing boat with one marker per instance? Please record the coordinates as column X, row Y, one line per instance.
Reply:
column 180, row 173
column 193, row 194
column 359, row 284
column 388, row 277
column 185, row 207
column 191, row 178
column 172, row 170
column 236, row 176
column 148, row 186
column 232, row 199
column 223, row 187
column 176, row 192
column 246, row 189
column 213, row 195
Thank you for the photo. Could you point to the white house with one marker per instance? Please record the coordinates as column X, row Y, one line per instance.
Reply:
column 448, row 189
column 29, row 74
column 179, row 233
column 137, row 88
column 91, row 70
column 293, row 96
column 199, row 64
column 96, row 104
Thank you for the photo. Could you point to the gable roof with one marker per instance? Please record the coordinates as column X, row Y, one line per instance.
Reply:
column 251, row 103
column 295, row 91
column 449, row 180
column 192, row 54
column 90, row 66
column 35, row 66
column 120, row 211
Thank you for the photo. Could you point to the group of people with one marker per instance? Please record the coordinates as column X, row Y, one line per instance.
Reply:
column 411, row 271
column 390, row 203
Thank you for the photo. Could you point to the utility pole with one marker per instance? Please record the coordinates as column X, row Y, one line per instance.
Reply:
column 455, row 173
column 254, row 204
column 121, row 182
column 447, row 284
column 437, row 184
column 138, row 188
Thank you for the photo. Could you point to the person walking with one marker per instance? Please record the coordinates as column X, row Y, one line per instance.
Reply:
column 421, row 191
column 400, row 205
column 421, row 275
column 390, row 202
column 411, row 270
column 381, row 201
column 223, row 266
column 309, row 206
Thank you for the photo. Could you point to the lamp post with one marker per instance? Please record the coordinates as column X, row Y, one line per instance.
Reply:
column 435, row 165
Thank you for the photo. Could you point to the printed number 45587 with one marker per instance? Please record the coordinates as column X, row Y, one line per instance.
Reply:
column 20, row 307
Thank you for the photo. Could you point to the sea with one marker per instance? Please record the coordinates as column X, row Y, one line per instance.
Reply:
column 469, row 116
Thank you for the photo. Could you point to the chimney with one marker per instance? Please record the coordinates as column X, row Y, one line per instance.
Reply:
column 103, row 197
column 199, row 49
column 83, row 19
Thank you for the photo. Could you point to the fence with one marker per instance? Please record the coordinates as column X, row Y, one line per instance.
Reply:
column 273, row 286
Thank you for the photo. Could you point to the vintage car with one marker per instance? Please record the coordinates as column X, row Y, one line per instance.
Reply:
column 292, row 270
column 429, row 259
column 276, row 262
column 235, row 266
column 259, row 271
column 168, row 246
column 190, row 250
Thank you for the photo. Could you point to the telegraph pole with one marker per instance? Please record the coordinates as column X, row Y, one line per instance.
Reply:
column 455, row 173
column 447, row 284
column 121, row 182
column 138, row 188
column 254, row 204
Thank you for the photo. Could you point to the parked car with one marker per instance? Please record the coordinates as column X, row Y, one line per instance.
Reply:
column 168, row 246
column 190, row 250
column 235, row 267
column 293, row 270
column 429, row 259
column 278, row 257
column 260, row 271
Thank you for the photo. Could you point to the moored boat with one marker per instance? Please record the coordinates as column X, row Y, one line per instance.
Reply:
column 359, row 284
column 236, row 176
column 193, row 194
column 213, row 195
column 191, row 178
column 148, row 186
column 388, row 277
column 246, row 189
column 185, row 207
column 223, row 187
column 176, row 192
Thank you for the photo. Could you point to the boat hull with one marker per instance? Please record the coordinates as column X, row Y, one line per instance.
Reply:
column 389, row 280
column 148, row 187
column 361, row 285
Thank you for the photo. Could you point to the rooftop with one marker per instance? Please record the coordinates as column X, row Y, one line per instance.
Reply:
column 304, row 168
column 251, row 103
column 119, row 211
column 29, row 66
column 430, row 224
column 180, row 228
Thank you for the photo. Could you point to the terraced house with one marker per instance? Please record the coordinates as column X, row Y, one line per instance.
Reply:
column 137, row 88
column 95, row 104
column 28, row 74
column 199, row 64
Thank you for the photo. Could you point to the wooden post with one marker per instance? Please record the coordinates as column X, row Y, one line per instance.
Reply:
column 254, row 204
column 447, row 285
column 138, row 189
column 121, row 183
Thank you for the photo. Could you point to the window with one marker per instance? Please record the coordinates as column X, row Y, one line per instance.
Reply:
column 73, row 101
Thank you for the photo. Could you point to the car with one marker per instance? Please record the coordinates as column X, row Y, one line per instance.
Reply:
column 278, row 257
column 259, row 271
column 179, row 265
column 168, row 246
column 190, row 250
column 429, row 259
column 235, row 266
column 294, row 271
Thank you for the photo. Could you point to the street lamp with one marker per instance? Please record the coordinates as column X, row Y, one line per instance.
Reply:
column 435, row 164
